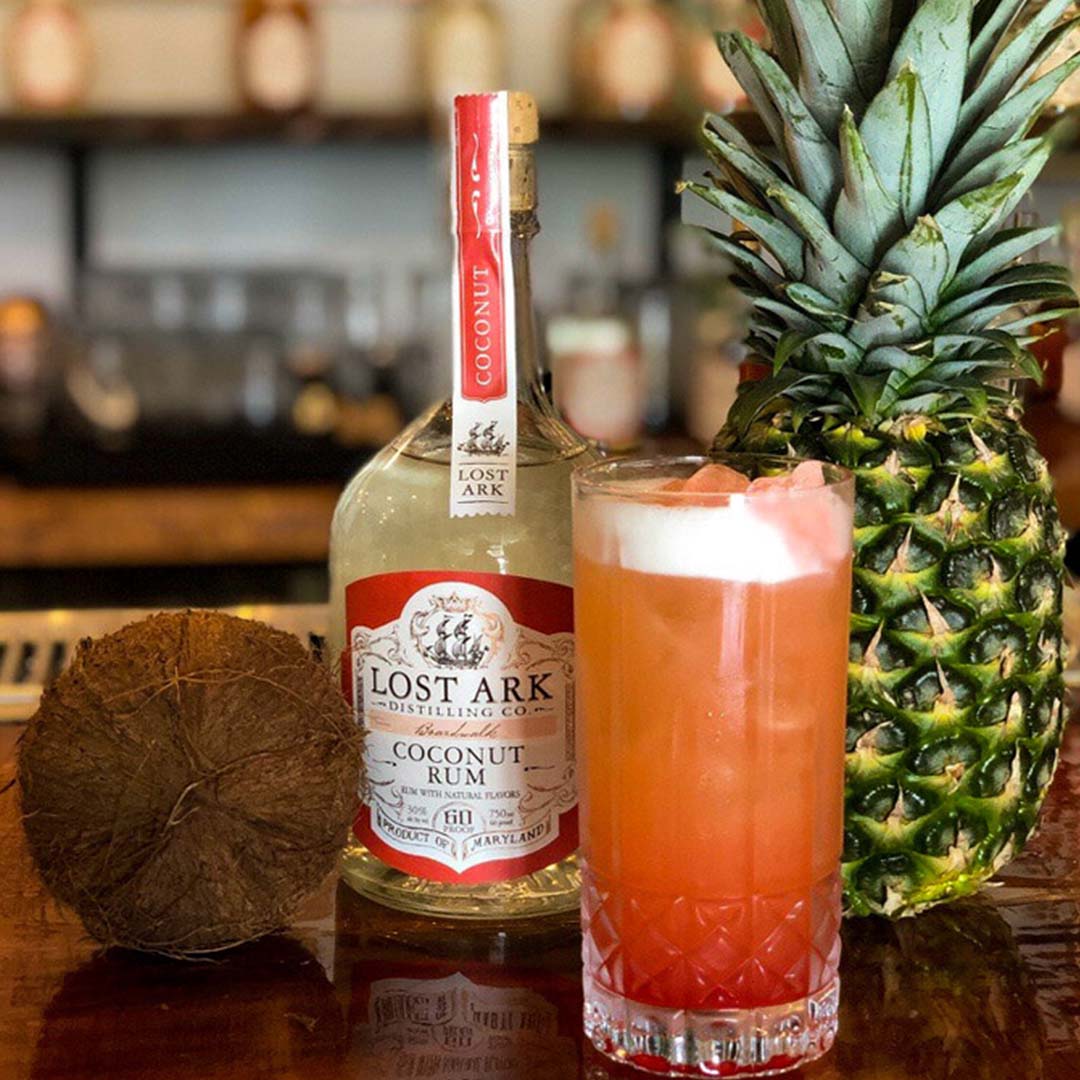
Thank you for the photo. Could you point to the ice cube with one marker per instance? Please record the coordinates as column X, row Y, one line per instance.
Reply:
column 763, row 485
column 716, row 479
column 809, row 474
column 743, row 539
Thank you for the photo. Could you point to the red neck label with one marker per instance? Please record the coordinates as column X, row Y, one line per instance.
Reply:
column 485, row 394
column 481, row 162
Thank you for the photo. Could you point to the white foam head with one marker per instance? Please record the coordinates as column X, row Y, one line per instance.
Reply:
column 748, row 538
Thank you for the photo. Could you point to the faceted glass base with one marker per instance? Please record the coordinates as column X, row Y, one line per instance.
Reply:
column 724, row 1043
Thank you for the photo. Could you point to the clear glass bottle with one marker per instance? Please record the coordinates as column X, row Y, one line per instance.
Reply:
column 453, row 618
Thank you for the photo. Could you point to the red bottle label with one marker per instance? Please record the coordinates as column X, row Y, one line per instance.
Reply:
column 464, row 685
column 483, row 463
column 481, row 193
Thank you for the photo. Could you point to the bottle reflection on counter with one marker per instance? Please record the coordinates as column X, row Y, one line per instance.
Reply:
column 428, row 998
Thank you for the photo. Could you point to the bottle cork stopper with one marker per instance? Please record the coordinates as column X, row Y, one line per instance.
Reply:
column 524, row 118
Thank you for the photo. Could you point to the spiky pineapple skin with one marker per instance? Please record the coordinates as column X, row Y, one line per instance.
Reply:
column 955, row 712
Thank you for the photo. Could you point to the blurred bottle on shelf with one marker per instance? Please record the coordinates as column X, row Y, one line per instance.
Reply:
column 710, row 83
column 132, row 367
column 175, row 374
column 1050, row 335
column 27, row 373
column 1052, row 338
column 420, row 369
column 598, row 372
column 102, row 395
column 314, row 336
column 1070, row 221
column 707, row 323
column 626, row 58
column 168, row 368
column 277, row 55
column 716, row 363
column 369, row 414
column 241, row 376
column 654, row 319
column 463, row 50
column 1068, row 397
column 49, row 56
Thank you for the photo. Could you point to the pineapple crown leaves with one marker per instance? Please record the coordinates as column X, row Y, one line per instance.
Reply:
column 874, row 244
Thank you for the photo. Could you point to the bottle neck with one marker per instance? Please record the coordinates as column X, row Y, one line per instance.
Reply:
column 530, row 386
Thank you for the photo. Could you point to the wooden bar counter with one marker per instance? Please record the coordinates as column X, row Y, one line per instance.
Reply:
column 988, row 989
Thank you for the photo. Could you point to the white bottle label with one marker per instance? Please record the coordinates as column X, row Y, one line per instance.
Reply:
column 484, row 454
column 463, row 683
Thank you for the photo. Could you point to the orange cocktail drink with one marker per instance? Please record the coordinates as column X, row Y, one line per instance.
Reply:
column 712, row 633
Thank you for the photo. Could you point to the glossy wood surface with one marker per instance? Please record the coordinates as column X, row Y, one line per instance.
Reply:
column 984, row 990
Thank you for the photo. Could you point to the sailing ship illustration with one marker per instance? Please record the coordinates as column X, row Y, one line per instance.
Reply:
column 457, row 630
column 484, row 440
column 456, row 645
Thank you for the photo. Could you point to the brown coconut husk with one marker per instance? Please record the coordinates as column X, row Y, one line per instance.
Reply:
column 188, row 782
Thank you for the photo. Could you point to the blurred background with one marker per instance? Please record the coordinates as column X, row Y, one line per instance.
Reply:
column 224, row 265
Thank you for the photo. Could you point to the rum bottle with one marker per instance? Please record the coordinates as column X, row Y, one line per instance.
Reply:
column 451, row 605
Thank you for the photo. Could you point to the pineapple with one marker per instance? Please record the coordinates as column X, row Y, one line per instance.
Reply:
column 885, row 284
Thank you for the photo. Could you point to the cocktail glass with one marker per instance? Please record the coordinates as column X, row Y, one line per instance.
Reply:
column 712, row 639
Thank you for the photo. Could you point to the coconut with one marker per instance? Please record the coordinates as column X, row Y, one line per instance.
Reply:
column 188, row 782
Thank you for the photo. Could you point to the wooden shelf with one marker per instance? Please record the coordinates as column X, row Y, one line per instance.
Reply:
column 92, row 131
column 207, row 129
column 202, row 129
column 165, row 526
